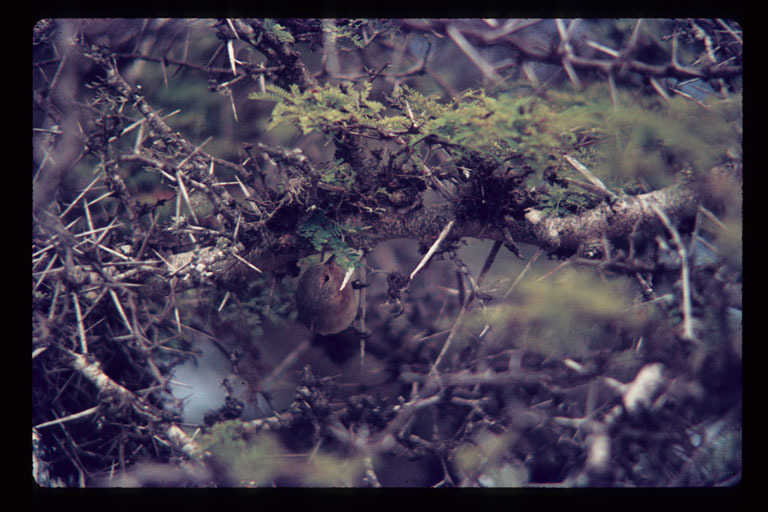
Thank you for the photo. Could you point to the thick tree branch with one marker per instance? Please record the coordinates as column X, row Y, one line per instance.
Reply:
column 560, row 235
column 615, row 220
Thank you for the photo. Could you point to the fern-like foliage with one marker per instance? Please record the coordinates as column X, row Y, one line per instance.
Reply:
column 561, row 201
column 326, row 233
column 274, row 93
column 338, row 173
column 278, row 31
column 503, row 128
column 326, row 110
column 634, row 139
column 348, row 31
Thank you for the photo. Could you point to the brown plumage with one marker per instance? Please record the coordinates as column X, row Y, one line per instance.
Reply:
column 322, row 306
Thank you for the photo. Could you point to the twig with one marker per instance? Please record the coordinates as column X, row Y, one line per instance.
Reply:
column 467, row 49
column 144, row 243
column 567, row 51
column 451, row 336
column 659, row 88
column 523, row 272
column 685, row 277
column 286, row 363
column 556, row 269
column 594, row 180
column 93, row 372
column 711, row 216
column 361, row 309
column 489, row 260
column 476, row 292
column 224, row 301
column 431, row 251
column 246, row 262
column 405, row 413
column 120, row 310
column 437, row 183
column 80, row 195
column 71, row 417
column 369, row 476
column 733, row 33
column 45, row 272
column 80, row 328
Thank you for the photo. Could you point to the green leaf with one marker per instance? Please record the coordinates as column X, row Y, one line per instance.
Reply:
column 322, row 231
column 278, row 31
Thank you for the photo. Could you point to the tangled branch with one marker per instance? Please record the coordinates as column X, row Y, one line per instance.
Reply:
column 475, row 383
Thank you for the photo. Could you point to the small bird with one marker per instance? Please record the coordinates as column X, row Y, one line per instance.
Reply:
column 323, row 306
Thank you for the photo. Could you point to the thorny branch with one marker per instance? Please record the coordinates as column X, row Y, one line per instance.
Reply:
column 95, row 316
column 609, row 61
